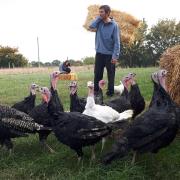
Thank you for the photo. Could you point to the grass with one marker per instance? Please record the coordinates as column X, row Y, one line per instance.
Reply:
column 29, row 161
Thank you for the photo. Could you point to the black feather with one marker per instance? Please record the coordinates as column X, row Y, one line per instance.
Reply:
column 154, row 129
column 76, row 130
column 26, row 105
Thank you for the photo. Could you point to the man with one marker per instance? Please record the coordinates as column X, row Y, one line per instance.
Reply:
column 107, row 45
column 64, row 67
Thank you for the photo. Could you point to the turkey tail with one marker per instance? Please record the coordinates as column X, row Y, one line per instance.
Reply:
column 23, row 126
column 119, row 149
column 125, row 115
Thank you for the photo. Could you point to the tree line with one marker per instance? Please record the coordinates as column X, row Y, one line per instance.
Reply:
column 149, row 44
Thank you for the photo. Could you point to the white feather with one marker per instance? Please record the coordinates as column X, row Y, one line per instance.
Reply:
column 119, row 89
column 104, row 113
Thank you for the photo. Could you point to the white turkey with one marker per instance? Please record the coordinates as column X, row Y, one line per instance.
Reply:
column 119, row 89
column 103, row 113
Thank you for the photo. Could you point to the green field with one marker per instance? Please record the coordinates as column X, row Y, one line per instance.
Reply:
column 30, row 161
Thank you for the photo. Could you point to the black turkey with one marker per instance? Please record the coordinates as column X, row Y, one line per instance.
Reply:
column 29, row 102
column 154, row 129
column 54, row 77
column 14, row 123
column 129, row 99
column 74, row 129
column 77, row 104
column 121, row 103
column 40, row 113
column 136, row 99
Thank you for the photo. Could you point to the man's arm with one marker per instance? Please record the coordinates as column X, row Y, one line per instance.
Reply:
column 116, row 38
column 94, row 24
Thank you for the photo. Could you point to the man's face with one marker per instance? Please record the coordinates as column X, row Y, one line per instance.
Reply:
column 103, row 14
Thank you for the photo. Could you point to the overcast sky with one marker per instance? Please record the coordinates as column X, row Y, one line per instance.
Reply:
column 58, row 24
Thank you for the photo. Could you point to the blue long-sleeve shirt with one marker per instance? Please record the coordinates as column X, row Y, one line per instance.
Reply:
column 107, row 39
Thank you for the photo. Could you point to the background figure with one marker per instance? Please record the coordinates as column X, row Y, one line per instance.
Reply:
column 64, row 67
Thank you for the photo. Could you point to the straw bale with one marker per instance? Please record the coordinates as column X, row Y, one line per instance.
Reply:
column 170, row 60
column 127, row 23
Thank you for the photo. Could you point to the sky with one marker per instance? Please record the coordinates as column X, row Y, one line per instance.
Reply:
column 59, row 24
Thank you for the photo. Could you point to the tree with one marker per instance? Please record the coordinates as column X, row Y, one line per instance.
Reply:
column 75, row 62
column 88, row 60
column 47, row 64
column 133, row 54
column 165, row 34
column 56, row 62
column 36, row 64
column 10, row 57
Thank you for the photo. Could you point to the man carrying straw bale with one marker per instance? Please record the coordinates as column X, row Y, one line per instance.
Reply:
column 107, row 45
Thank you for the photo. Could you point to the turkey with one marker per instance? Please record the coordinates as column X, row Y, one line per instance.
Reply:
column 129, row 99
column 14, row 123
column 40, row 112
column 29, row 102
column 154, row 129
column 54, row 77
column 74, row 129
column 76, row 104
column 121, row 103
column 119, row 89
column 98, row 96
column 136, row 99
column 104, row 113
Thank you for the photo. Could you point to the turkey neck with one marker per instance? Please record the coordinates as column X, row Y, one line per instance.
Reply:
column 73, row 91
column 32, row 92
column 91, row 92
column 54, row 83
column 155, row 94
column 125, row 93
column 125, row 84
column 162, row 99
column 133, row 83
column 163, row 83
column 74, row 99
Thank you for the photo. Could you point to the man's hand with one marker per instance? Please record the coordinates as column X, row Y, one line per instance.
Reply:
column 114, row 61
column 92, row 30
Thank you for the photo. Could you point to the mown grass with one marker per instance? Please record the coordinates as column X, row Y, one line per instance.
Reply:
column 30, row 161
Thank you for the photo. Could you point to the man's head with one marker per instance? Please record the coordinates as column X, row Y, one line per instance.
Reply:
column 104, row 11
column 67, row 63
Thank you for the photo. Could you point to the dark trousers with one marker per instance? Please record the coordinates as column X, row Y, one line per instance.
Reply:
column 101, row 61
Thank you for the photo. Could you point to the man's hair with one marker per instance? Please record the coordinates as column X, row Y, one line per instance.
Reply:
column 106, row 8
column 68, row 63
